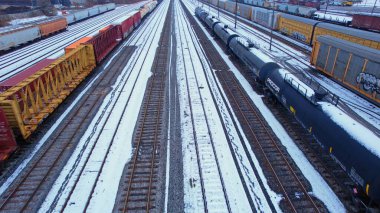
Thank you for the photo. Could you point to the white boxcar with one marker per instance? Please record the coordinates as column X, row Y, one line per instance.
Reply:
column 306, row 11
column 102, row 8
column 264, row 17
column 14, row 36
column 93, row 11
column 293, row 9
column 70, row 18
column 111, row 6
column 80, row 15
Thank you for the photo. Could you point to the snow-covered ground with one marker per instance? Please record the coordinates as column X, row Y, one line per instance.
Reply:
column 201, row 123
column 300, row 62
column 110, row 127
column 18, row 60
column 320, row 188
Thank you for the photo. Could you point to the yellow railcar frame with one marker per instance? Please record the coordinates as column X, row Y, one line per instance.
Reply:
column 28, row 103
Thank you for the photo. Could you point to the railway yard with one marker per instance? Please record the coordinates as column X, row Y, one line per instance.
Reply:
column 182, row 106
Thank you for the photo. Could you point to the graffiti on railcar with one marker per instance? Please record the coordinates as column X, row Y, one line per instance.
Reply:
column 369, row 82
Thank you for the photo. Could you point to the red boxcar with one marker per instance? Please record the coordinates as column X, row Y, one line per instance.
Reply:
column 105, row 42
column 125, row 25
column 7, row 141
column 137, row 19
column 366, row 22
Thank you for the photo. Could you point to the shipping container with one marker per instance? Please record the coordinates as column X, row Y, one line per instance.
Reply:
column 16, row 35
column 105, row 42
column 366, row 22
column 75, row 45
column 51, row 26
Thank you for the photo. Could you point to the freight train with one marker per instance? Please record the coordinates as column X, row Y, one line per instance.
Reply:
column 28, row 98
column 302, row 29
column 351, row 144
column 307, row 31
column 13, row 36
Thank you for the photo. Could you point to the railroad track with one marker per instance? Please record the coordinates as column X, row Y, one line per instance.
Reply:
column 140, row 188
column 212, row 186
column 15, row 61
column 282, row 173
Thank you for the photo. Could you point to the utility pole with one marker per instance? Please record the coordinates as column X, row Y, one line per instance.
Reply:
column 218, row 9
column 374, row 5
column 235, row 13
column 271, row 29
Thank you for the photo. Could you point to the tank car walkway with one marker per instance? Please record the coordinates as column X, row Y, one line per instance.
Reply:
column 166, row 124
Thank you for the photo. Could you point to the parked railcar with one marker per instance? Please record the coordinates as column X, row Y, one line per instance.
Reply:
column 358, row 156
column 21, row 116
column 14, row 36
column 51, row 26
column 125, row 24
column 245, row 11
column 365, row 38
column 70, row 18
column 354, row 65
column 297, row 27
column 368, row 22
column 230, row 6
column 93, row 11
column 224, row 32
column 81, row 15
column 105, row 42
column 306, row 11
column 264, row 17
column 355, row 151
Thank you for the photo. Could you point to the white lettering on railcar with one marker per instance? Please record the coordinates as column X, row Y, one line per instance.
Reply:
column 273, row 85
